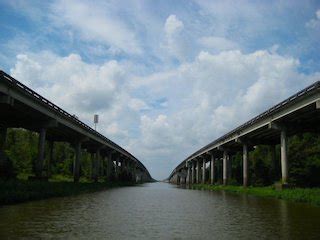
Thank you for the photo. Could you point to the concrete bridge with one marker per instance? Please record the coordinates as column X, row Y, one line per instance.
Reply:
column 21, row 107
column 298, row 114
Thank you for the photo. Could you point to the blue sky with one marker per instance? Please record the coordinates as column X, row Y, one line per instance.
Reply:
column 166, row 77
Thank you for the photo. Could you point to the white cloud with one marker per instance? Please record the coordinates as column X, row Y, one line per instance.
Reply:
column 210, row 96
column 176, row 43
column 97, row 23
column 314, row 22
column 173, row 25
column 80, row 88
column 137, row 104
column 218, row 43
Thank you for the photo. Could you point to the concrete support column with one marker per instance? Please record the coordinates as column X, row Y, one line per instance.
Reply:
column 192, row 172
column 76, row 164
column 3, row 137
column 203, row 170
column 188, row 174
column 245, row 165
column 212, row 165
column 225, row 167
column 284, row 157
column 41, row 149
column 198, row 172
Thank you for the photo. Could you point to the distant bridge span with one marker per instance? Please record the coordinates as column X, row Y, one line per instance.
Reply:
column 21, row 107
column 297, row 114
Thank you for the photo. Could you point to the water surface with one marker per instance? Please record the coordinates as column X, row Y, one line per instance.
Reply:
column 159, row 211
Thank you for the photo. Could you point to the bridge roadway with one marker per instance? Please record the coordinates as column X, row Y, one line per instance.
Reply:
column 21, row 107
column 298, row 114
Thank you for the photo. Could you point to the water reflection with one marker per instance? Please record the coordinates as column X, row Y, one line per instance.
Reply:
column 160, row 211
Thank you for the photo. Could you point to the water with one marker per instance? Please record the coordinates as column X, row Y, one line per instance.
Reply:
column 159, row 211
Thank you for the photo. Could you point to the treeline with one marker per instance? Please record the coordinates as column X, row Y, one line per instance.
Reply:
column 303, row 152
column 22, row 150
column 303, row 159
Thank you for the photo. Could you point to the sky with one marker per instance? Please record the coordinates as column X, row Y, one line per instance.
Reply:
column 165, row 76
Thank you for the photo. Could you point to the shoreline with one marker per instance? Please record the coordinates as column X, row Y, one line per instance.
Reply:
column 302, row 195
column 20, row 191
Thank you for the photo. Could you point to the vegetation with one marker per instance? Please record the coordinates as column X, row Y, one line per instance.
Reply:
column 20, row 153
column 306, row 195
column 15, row 191
column 304, row 164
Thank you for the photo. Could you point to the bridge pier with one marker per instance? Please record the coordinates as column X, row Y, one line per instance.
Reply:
column 284, row 157
column 203, row 170
column 225, row 167
column 193, row 170
column 188, row 180
column 245, row 165
column 212, row 165
column 76, row 164
column 198, row 172
column 38, row 167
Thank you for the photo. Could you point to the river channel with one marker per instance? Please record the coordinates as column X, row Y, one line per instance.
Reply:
column 159, row 211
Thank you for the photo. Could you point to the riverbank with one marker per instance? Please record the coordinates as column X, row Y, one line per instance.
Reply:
column 17, row 191
column 305, row 195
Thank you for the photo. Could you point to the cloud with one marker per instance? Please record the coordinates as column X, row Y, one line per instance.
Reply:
column 210, row 96
column 82, row 89
column 96, row 23
column 175, row 43
column 218, row 43
column 314, row 23
column 173, row 25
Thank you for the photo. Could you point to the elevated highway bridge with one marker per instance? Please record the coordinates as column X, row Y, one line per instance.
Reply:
column 21, row 107
column 298, row 114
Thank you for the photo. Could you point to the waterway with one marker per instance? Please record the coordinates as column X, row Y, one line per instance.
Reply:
column 159, row 211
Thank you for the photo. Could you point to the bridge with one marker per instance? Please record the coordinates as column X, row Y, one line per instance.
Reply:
column 21, row 107
column 298, row 114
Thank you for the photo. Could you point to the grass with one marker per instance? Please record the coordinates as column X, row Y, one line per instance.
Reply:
column 305, row 195
column 17, row 191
